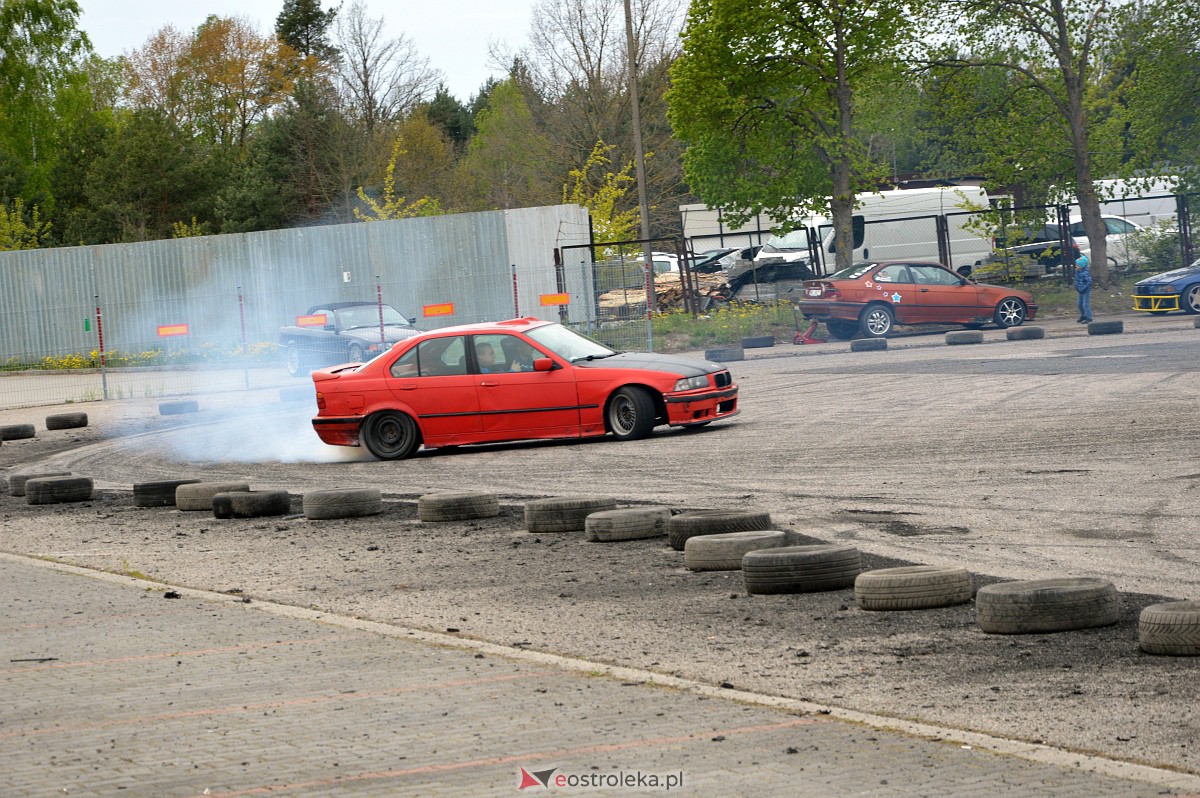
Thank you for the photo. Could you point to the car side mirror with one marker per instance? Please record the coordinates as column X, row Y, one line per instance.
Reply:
column 543, row 364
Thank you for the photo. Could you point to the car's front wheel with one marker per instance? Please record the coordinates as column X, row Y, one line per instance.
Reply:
column 841, row 329
column 355, row 353
column 876, row 321
column 390, row 435
column 1189, row 300
column 297, row 364
column 630, row 414
column 1010, row 313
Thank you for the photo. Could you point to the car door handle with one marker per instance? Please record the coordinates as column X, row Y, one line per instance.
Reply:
column 488, row 384
column 924, row 290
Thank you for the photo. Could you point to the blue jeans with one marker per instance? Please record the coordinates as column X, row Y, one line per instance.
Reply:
column 1085, row 304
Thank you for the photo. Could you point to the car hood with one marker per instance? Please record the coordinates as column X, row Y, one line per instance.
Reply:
column 648, row 361
column 1175, row 274
column 391, row 333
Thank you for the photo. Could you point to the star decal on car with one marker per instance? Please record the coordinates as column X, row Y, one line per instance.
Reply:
column 896, row 298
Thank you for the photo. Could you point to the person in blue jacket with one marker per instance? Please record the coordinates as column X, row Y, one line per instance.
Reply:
column 1083, row 285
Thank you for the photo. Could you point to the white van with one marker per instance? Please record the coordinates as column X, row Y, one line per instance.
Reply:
column 897, row 224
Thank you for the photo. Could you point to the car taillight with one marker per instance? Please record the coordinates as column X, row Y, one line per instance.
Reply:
column 831, row 292
column 320, row 401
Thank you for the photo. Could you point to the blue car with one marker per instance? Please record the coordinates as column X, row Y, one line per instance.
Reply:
column 1178, row 289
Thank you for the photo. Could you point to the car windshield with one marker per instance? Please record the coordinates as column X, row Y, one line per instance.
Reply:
column 568, row 344
column 368, row 316
column 852, row 272
column 797, row 239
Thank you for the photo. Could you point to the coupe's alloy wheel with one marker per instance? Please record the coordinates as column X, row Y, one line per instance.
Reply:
column 1191, row 300
column 631, row 414
column 1010, row 313
column 877, row 321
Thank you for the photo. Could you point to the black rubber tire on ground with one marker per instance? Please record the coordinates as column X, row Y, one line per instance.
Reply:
column 16, row 432
column 877, row 320
column 564, row 513
column 251, row 503
column 912, row 587
column 868, row 344
column 725, row 354
column 58, row 490
column 1046, row 605
column 958, row 337
column 1172, row 629
column 390, row 435
column 758, row 341
column 67, row 421
column 630, row 413
column 724, row 552
column 1010, row 312
column 178, row 408
column 16, row 482
column 158, row 494
column 195, row 496
column 461, row 505
column 629, row 523
column 801, row 569
column 691, row 523
column 324, row 505
column 1024, row 333
column 841, row 329
column 1105, row 327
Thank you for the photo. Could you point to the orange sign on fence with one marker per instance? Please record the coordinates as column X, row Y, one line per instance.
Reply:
column 315, row 320
column 444, row 309
column 554, row 299
column 168, row 330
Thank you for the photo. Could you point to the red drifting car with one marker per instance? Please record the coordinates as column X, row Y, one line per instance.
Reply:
column 512, row 380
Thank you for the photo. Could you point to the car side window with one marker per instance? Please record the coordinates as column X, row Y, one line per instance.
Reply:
column 406, row 365
column 440, row 357
column 932, row 275
column 895, row 273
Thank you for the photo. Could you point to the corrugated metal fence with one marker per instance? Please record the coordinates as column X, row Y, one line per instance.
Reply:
column 224, row 298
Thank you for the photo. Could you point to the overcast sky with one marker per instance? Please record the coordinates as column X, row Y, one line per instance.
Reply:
column 453, row 35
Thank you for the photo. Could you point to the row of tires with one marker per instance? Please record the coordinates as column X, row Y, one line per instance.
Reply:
column 953, row 338
column 713, row 540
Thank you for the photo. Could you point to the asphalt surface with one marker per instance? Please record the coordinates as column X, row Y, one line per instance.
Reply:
column 1063, row 457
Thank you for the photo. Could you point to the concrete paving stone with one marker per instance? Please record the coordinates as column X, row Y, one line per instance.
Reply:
column 112, row 690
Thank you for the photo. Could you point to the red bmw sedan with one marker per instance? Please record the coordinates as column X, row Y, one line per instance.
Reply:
column 512, row 380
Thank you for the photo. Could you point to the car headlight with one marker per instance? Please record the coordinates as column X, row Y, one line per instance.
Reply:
column 692, row 383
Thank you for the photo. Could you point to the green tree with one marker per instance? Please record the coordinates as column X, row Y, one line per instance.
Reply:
column 389, row 205
column 603, row 195
column 304, row 27
column 40, row 50
column 764, row 98
column 21, row 230
column 1056, row 50
column 505, row 163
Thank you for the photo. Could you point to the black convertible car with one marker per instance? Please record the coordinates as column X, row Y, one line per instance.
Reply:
column 341, row 332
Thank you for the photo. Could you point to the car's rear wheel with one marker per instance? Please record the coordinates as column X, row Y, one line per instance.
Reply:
column 1189, row 300
column 297, row 363
column 876, row 321
column 390, row 435
column 1010, row 312
column 841, row 329
column 630, row 414
column 355, row 353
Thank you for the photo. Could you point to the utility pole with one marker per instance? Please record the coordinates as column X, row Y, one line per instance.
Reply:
column 638, row 158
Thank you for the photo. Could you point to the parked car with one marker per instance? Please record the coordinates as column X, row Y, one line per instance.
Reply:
column 1120, row 239
column 543, row 381
column 1042, row 243
column 1178, row 289
column 341, row 332
column 722, row 259
column 871, row 298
